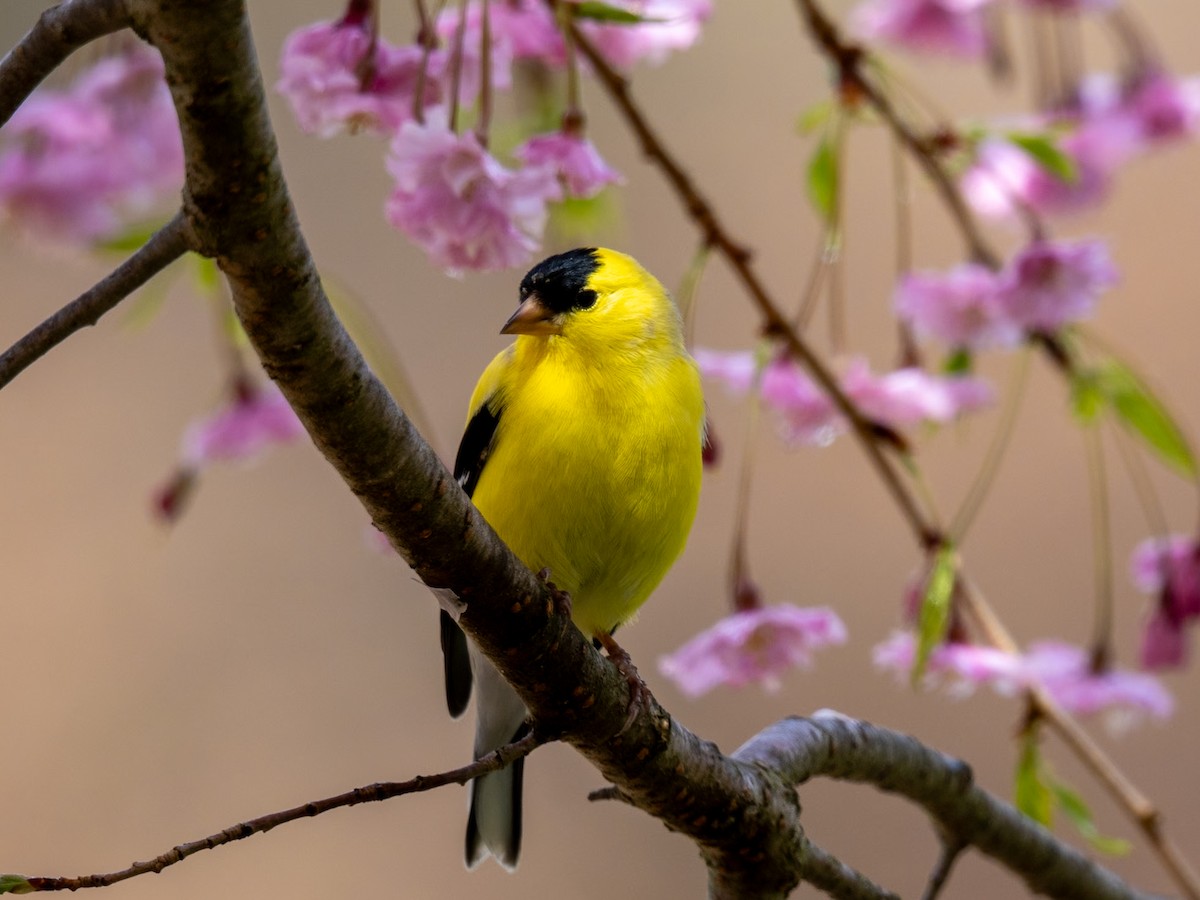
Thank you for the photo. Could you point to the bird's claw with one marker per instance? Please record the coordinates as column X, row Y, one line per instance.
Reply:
column 562, row 600
column 639, row 694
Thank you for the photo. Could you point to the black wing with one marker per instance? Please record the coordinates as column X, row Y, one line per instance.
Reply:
column 468, row 464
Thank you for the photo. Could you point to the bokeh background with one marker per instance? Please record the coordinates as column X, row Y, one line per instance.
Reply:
column 158, row 684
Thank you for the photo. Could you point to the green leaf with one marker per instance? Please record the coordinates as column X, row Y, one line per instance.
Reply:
column 1032, row 795
column 1077, row 811
column 604, row 12
column 1042, row 149
column 15, row 884
column 131, row 239
column 823, row 180
column 1087, row 397
column 935, row 608
column 1145, row 415
column 815, row 116
column 958, row 363
column 575, row 220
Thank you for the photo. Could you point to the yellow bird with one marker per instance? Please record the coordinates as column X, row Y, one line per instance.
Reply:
column 582, row 450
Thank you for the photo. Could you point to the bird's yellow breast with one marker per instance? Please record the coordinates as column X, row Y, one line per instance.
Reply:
column 595, row 467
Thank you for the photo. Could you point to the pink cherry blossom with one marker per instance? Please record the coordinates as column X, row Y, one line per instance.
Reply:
column 338, row 80
column 573, row 159
column 912, row 396
column 256, row 420
column 1170, row 569
column 899, row 399
column 460, row 204
column 80, row 165
column 1004, row 178
column 1120, row 695
column 959, row 666
column 955, row 27
column 1063, row 670
column 1050, row 284
column 520, row 29
column 1164, row 107
column 959, row 307
column 752, row 646
column 1070, row 6
column 670, row 25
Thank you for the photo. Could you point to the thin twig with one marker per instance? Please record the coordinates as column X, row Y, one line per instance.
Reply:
column 1139, row 807
column 164, row 247
column 847, row 58
column 775, row 322
column 371, row 793
column 59, row 32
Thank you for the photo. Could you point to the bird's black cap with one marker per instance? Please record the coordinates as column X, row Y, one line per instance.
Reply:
column 561, row 281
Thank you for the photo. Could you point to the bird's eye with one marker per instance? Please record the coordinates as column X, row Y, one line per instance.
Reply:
column 585, row 299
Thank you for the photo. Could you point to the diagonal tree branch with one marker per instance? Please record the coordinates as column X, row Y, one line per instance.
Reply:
column 831, row 745
column 165, row 246
column 59, row 32
column 371, row 793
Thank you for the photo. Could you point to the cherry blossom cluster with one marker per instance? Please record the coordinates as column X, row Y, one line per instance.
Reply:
column 467, row 208
column 1063, row 670
column 80, row 164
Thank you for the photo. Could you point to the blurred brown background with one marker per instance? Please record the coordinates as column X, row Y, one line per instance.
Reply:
column 157, row 685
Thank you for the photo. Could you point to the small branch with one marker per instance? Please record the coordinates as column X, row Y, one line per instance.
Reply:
column 164, row 247
column 834, row 746
column 59, row 32
column 775, row 322
column 847, row 58
column 952, row 848
column 825, row 871
column 371, row 793
column 1139, row 807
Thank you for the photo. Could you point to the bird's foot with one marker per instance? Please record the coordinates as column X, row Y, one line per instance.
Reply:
column 639, row 694
column 562, row 600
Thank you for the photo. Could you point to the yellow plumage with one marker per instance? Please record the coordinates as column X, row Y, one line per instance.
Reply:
column 595, row 471
column 583, row 452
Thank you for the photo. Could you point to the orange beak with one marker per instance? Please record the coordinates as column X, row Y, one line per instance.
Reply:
column 532, row 317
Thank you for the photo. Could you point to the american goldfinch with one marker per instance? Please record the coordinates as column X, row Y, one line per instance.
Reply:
column 583, row 451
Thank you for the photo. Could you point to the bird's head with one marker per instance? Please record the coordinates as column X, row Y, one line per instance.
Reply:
column 594, row 294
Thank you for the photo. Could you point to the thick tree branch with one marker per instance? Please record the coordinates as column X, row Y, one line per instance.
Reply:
column 165, row 246
column 834, row 746
column 371, row 793
column 59, row 32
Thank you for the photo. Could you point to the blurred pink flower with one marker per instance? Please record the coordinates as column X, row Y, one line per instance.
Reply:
column 460, row 205
column 960, row 666
column 1123, row 697
column 898, row 399
column 339, row 80
column 573, row 159
column 520, row 29
column 258, row 419
column 1050, row 284
column 753, row 646
column 959, row 307
column 912, row 396
column 671, row 25
column 1169, row 568
column 1070, row 6
column 955, row 27
column 81, row 165
column 1164, row 106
